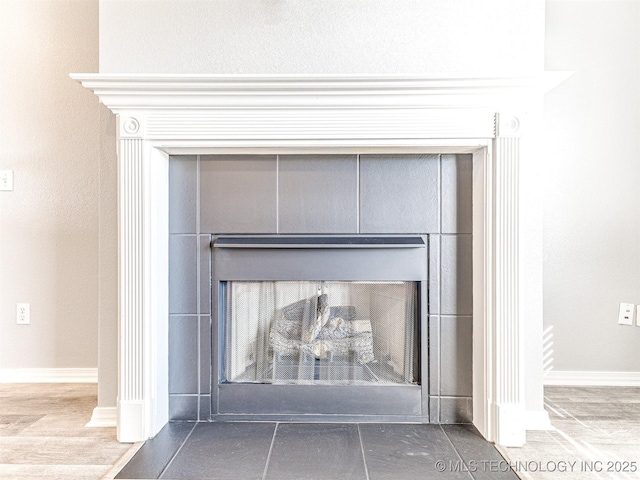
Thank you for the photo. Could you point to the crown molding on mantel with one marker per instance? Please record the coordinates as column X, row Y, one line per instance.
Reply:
column 290, row 110
column 137, row 91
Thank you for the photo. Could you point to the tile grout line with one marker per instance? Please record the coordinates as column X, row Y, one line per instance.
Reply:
column 440, row 194
column 457, row 452
column 178, row 451
column 439, row 280
column 273, row 440
column 358, row 194
column 439, row 339
column 456, row 235
column 198, row 206
column 198, row 289
column 364, row 458
column 277, row 194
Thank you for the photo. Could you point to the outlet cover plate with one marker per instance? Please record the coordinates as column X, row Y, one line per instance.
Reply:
column 627, row 313
column 23, row 314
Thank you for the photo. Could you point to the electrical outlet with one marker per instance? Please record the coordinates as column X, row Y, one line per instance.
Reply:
column 23, row 314
column 626, row 315
column 6, row 180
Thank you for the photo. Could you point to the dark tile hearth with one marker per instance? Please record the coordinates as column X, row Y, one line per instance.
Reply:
column 223, row 451
column 314, row 451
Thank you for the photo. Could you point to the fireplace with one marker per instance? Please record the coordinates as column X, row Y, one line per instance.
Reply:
column 326, row 326
column 496, row 120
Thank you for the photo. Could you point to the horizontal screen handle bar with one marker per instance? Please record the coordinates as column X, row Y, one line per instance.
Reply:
column 312, row 245
column 318, row 242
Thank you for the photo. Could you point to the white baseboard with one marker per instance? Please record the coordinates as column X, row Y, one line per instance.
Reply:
column 537, row 420
column 48, row 375
column 592, row 379
column 104, row 417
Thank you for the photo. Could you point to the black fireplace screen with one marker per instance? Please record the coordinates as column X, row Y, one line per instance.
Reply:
column 325, row 332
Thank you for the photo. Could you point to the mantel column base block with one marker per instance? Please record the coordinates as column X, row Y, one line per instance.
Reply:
column 131, row 426
column 510, row 428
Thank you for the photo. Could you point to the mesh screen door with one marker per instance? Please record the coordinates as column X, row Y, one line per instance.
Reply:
column 333, row 333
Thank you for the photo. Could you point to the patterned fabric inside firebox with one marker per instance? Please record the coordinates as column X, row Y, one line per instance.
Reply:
column 320, row 332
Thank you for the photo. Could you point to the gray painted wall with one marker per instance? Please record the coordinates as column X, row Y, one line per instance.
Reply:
column 592, row 173
column 49, row 223
column 426, row 194
column 108, row 262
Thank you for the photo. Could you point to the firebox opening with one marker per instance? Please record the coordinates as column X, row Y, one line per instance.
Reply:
column 320, row 325
column 320, row 332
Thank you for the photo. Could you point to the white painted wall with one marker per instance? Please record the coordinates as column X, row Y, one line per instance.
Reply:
column 591, row 184
column 440, row 37
column 50, row 138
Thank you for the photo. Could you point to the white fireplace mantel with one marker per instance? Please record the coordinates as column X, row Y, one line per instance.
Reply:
column 160, row 115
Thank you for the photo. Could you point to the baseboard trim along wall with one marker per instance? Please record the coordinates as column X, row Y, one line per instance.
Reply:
column 592, row 379
column 104, row 417
column 48, row 375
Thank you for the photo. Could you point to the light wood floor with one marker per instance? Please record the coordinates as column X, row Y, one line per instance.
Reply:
column 598, row 428
column 42, row 433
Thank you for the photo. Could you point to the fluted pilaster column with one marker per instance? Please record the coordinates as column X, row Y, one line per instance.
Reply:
column 508, row 349
column 142, row 295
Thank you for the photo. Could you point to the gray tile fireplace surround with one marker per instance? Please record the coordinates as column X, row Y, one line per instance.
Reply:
column 321, row 194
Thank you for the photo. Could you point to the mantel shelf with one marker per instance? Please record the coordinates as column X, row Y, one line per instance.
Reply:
column 135, row 91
